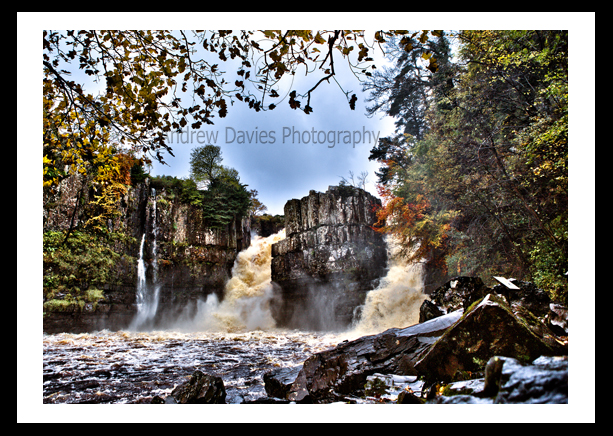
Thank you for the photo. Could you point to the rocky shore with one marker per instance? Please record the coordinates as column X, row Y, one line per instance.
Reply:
column 474, row 345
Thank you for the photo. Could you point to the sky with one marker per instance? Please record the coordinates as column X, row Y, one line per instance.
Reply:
column 287, row 166
column 285, row 153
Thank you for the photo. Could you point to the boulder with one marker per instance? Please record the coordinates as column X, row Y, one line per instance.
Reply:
column 333, row 374
column 528, row 296
column 200, row 389
column 459, row 293
column 557, row 319
column 486, row 329
column 428, row 311
column 508, row 381
column 277, row 382
column 545, row 380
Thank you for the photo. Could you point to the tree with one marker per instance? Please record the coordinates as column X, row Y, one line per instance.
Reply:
column 158, row 82
column 406, row 91
column 257, row 207
column 148, row 74
column 205, row 163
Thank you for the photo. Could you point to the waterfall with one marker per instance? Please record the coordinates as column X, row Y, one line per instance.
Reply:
column 396, row 302
column 147, row 295
column 245, row 305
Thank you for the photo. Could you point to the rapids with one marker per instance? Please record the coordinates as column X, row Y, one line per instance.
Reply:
column 235, row 338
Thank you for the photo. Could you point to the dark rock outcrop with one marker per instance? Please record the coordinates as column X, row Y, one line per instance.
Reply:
column 200, row 389
column 331, row 257
column 542, row 381
column 446, row 349
column 333, row 374
column 486, row 329
column 278, row 382
column 458, row 293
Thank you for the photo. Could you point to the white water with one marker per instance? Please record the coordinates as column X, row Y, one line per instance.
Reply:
column 396, row 302
column 245, row 305
column 147, row 295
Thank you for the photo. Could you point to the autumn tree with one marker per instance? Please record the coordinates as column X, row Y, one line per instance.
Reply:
column 157, row 82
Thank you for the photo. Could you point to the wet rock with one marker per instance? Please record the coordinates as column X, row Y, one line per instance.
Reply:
column 487, row 329
column 528, row 296
column 428, row 311
column 277, row 382
column 557, row 319
column 459, row 293
column 334, row 374
column 405, row 397
column 393, row 388
column 200, row 389
column 493, row 372
column 331, row 257
column 266, row 400
column 543, row 381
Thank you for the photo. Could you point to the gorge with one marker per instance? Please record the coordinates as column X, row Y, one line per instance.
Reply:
column 320, row 311
column 321, row 267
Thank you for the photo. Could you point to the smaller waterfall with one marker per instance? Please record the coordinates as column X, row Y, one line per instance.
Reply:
column 396, row 302
column 147, row 295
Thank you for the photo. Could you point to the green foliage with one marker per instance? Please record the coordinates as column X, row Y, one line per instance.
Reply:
column 205, row 163
column 184, row 189
column 550, row 263
column 345, row 189
column 224, row 200
column 74, row 267
column 138, row 174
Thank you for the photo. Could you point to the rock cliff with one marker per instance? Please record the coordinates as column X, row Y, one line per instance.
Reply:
column 184, row 258
column 329, row 260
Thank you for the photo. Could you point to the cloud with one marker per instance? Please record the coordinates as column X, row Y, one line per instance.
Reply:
column 284, row 153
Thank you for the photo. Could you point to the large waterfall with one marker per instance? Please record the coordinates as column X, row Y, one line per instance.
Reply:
column 235, row 338
column 245, row 304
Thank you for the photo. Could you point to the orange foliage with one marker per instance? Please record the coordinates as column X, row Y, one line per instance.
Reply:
column 412, row 224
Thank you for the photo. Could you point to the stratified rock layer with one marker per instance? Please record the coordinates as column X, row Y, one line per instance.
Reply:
column 184, row 257
column 330, row 259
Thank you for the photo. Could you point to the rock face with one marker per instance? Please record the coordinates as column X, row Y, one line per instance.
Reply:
column 183, row 257
column 186, row 259
column 329, row 260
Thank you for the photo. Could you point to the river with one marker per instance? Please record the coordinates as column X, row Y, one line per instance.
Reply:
column 235, row 339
